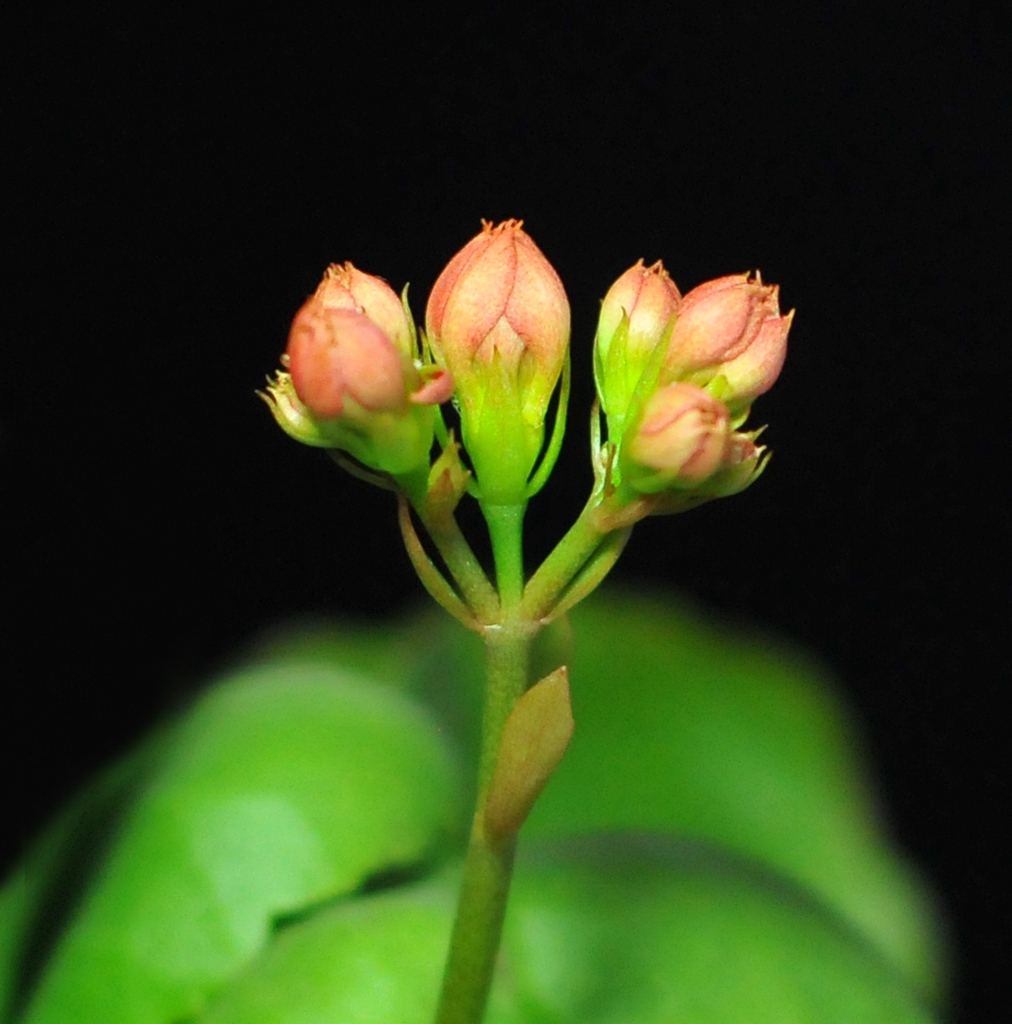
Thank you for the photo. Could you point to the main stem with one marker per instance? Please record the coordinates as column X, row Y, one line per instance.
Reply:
column 488, row 866
column 505, row 530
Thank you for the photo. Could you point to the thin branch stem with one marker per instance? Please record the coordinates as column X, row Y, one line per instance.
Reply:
column 466, row 570
column 569, row 556
column 600, row 520
column 593, row 572
column 432, row 579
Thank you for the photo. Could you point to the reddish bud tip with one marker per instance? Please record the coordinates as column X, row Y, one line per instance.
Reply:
column 346, row 287
column 436, row 386
column 649, row 298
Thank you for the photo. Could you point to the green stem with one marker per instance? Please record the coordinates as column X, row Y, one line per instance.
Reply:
column 432, row 579
column 589, row 577
column 464, row 567
column 505, row 530
column 488, row 865
column 585, row 555
column 566, row 560
column 452, row 545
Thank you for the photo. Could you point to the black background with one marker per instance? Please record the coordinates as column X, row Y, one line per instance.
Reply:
column 180, row 184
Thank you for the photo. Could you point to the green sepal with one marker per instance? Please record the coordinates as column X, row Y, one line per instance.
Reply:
column 551, row 452
column 396, row 441
column 623, row 386
column 501, row 440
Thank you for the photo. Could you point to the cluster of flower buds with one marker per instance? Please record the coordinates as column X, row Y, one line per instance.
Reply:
column 676, row 377
column 353, row 380
column 675, row 374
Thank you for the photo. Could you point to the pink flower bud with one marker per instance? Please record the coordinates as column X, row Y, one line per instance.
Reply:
column 680, row 439
column 338, row 354
column 636, row 317
column 499, row 296
column 351, row 381
column 730, row 326
column 755, row 371
column 649, row 299
column 498, row 318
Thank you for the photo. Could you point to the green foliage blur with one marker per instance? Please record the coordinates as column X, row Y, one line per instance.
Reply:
column 286, row 851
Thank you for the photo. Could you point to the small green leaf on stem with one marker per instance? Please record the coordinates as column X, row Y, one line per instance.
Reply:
column 534, row 739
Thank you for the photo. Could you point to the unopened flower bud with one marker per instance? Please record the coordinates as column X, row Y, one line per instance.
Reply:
column 350, row 385
column 636, row 318
column 730, row 327
column 498, row 318
column 678, row 441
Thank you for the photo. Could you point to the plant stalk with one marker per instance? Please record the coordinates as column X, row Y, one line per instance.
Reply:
column 569, row 556
column 488, row 865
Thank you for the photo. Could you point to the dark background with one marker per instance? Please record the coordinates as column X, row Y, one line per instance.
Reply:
column 180, row 185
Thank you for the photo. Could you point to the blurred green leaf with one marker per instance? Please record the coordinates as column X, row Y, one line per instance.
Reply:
column 687, row 727
column 627, row 931
column 34, row 902
column 285, row 786
column 237, row 851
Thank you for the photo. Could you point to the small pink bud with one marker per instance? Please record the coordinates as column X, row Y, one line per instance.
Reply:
column 649, row 298
column 337, row 354
column 498, row 318
column 636, row 317
column 351, row 380
column 730, row 326
column 681, row 438
column 500, row 296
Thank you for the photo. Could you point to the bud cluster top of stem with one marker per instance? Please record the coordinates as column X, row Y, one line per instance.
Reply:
column 676, row 376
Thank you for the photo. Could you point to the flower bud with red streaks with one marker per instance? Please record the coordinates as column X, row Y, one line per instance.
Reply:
column 637, row 316
column 498, row 318
column 343, row 364
column 730, row 327
column 351, row 381
column 678, row 441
